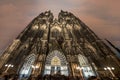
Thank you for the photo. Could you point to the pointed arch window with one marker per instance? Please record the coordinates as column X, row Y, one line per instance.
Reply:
column 55, row 33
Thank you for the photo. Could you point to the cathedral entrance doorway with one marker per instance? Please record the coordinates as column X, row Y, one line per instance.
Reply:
column 26, row 68
column 85, row 67
column 56, row 64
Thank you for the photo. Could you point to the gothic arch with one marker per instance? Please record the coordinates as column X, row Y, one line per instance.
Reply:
column 27, row 65
column 56, row 28
column 57, row 54
column 52, row 67
column 85, row 66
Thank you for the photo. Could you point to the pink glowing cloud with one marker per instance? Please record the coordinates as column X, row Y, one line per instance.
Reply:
column 101, row 16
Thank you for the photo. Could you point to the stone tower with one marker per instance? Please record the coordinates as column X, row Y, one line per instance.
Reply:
column 65, row 45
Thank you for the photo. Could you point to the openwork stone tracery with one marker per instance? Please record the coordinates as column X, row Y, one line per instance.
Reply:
column 65, row 44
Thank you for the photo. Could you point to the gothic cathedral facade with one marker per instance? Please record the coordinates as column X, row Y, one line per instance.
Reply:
column 66, row 44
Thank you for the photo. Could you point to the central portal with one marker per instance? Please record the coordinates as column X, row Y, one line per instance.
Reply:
column 56, row 63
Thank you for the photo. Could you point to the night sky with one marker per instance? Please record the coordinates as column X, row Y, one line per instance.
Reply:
column 102, row 16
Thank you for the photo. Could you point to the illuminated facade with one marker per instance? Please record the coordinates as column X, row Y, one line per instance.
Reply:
column 65, row 45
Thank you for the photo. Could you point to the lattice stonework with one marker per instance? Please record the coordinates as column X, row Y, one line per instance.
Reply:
column 65, row 45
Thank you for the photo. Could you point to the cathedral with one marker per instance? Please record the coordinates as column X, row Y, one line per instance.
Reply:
column 65, row 45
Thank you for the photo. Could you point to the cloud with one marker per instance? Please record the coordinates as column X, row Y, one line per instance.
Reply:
column 101, row 16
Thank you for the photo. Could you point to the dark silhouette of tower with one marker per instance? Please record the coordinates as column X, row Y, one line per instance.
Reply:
column 65, row 45
column 118, row 50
